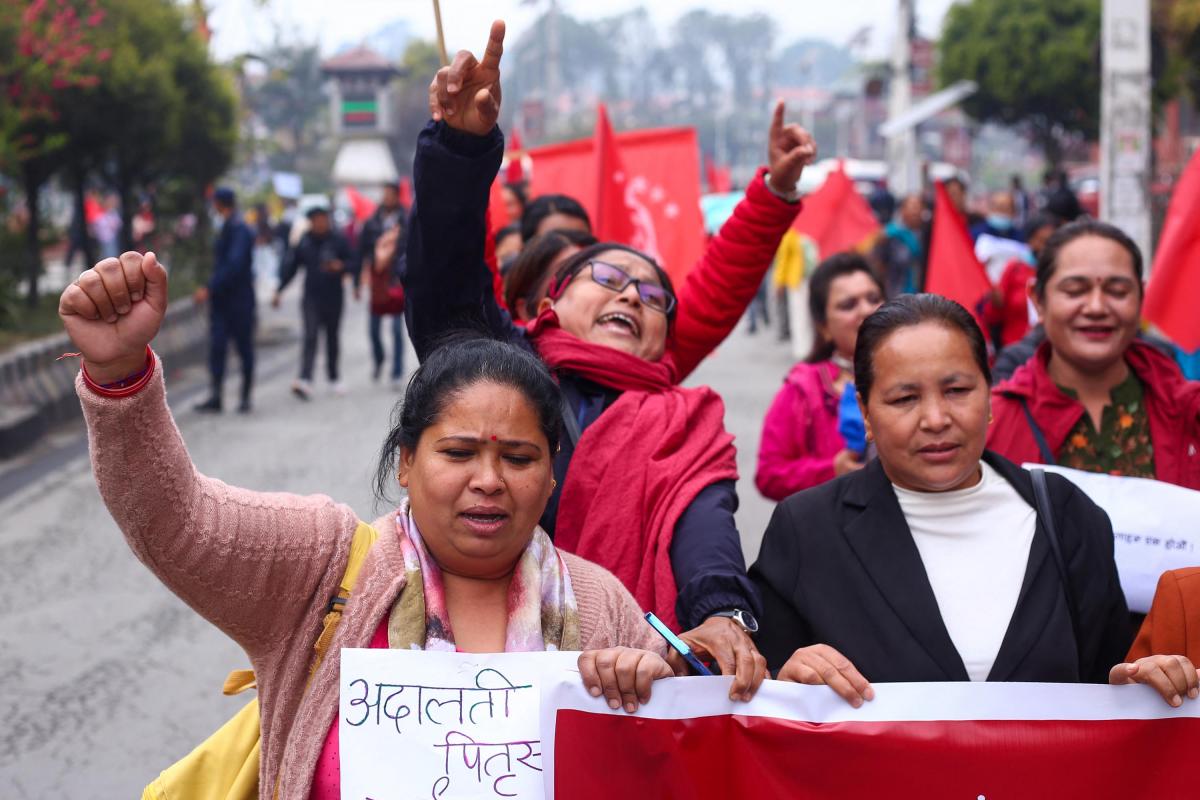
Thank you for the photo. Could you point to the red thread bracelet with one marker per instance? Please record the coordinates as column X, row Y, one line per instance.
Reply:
column 131, row 384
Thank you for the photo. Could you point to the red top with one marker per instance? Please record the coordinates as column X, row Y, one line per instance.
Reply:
column 327, row 780
column 1012, row 314
column 800, row 433
column 1172, row 403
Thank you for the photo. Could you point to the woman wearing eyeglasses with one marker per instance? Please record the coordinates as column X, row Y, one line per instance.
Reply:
column 646, row 469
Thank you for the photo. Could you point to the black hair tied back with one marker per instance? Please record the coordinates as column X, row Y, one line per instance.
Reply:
column 461, row 360
column 906, row 311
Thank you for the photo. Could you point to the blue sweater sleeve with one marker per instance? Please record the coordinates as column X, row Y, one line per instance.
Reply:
column 447, row 283
column 706, row 557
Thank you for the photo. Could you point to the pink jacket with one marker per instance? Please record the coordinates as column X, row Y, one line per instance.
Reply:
column 261, row 566
column 800, row 433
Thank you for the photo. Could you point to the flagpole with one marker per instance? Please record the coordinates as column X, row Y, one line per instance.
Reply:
column 441, row 36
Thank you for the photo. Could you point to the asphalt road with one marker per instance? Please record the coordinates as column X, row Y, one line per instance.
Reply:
column 107, row 677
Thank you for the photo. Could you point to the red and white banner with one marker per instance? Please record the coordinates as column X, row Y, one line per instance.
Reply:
column 966, row 741
column 661, row 176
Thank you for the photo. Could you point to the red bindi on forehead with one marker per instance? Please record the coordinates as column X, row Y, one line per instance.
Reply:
column 493, row 438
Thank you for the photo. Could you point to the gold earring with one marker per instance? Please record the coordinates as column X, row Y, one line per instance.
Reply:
column 553, row 484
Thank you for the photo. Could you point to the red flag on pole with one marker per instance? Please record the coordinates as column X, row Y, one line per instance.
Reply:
column 514, row 171
column 361, row 206
column 953, row 270
column 836, row 216
column 614, row 220
column 664, row 185
column 1175, row 279
column 718, row 178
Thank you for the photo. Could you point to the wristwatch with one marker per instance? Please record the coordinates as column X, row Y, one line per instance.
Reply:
column 745, row 620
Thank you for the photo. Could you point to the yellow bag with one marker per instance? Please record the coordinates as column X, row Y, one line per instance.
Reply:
column 225, row 765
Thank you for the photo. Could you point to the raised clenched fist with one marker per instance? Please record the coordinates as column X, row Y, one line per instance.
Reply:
column 113, row 310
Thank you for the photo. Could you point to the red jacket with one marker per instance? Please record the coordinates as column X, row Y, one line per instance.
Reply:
column 720, row 287
column 1172, row 402
column 1012, row 314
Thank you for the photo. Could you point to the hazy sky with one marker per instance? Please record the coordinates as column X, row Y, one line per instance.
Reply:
column 239, row 25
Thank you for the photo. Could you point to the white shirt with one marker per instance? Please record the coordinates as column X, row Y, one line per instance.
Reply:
column 974, row 543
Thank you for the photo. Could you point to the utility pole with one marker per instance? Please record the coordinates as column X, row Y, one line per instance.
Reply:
column 904, row 171
column 1125, row 120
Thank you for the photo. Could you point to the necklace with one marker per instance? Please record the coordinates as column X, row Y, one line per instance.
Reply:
column 843, row 363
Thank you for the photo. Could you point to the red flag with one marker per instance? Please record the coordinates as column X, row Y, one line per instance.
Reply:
column 664, row 183
column 361, row 206
column 836, row 216
column 954, row 271
column 614, row 221
column 717, row 178
column 1175, row 279
column 405, row 190
column 92, row 210
column 515, row 171
column 497, row 210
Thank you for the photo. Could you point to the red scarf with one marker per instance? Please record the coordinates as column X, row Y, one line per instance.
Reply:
column 638, row 467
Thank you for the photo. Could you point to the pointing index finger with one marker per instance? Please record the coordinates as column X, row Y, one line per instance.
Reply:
column 777, row 119
column 495, row 46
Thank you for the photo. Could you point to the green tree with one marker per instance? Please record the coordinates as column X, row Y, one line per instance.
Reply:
column 290, row 103
column 46, row 51
column 1036, row 63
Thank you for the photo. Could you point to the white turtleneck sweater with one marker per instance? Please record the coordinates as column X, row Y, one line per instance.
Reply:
column 974, row 543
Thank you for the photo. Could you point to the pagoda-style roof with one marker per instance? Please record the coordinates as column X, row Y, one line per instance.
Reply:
column 358, row 59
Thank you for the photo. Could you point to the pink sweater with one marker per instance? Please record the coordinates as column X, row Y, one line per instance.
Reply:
column 261, row 566
column 800, row 433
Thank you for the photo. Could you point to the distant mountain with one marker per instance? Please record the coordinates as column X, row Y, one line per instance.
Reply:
column 389, row 41
column 811, row 63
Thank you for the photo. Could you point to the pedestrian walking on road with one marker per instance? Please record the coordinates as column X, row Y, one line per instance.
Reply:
column 264, row 566
column 230, row 298
column 390, row 215
column 324, row 255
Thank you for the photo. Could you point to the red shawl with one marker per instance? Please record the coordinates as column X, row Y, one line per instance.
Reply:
column 638, row 467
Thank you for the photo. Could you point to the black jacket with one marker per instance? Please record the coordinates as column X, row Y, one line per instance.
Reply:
column 448, row 286
column 311, row 254
column 839, row 566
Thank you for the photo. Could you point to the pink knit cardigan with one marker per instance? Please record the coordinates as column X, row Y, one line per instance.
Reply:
column 261, row 566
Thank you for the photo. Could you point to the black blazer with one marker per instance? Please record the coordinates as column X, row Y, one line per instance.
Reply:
column 839, row 566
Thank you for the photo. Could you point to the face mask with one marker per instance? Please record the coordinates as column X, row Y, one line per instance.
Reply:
column 999, row 221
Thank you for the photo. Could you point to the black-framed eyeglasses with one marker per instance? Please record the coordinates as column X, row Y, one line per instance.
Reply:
column 615, row 279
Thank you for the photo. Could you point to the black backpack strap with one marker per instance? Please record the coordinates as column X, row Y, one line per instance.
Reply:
column 1045, row 513
column 1039, row 437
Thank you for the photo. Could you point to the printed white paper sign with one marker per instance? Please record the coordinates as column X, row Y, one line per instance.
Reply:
column 1154, row 523
column 450, row 726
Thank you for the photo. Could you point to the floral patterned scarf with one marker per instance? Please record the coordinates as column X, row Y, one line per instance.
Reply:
column 542, row 614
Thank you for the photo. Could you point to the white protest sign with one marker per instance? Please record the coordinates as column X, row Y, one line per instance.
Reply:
column 1156, row 526
column 443, row 725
